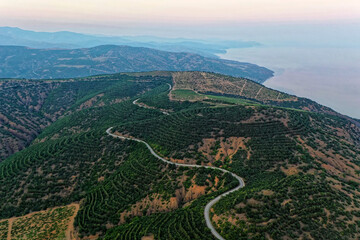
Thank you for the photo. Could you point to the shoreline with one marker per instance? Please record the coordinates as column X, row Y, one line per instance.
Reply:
column 329, row 76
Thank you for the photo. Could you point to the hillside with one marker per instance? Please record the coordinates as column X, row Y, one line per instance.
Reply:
column 29, row 106
column 300, row 161
column 23, row 62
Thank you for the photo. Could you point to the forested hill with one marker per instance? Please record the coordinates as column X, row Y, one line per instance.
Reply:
column 300, row 162
column 24, row 62
column 28, row 106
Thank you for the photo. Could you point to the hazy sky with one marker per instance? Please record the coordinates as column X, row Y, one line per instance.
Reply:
column 162, row 16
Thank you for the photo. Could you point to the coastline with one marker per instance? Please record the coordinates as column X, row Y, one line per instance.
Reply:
column 329, row 76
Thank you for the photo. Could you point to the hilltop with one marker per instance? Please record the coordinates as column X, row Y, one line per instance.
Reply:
column 300, row 161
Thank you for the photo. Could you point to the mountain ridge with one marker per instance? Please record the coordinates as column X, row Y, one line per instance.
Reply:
column 25, row 62
column 67, row 39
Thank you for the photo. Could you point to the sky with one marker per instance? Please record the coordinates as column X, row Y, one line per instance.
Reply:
column 171, row 17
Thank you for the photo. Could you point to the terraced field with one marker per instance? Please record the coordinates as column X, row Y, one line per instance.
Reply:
column 179, row 224
column 192, row 126
column 104, row 203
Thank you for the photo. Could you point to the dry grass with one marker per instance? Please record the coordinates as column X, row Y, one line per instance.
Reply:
column 208, row 82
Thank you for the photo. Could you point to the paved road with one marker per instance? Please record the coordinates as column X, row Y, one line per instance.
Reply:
column 212, row 202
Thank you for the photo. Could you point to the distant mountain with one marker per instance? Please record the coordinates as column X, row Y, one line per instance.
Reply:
column 24, row 62
column 65, row 39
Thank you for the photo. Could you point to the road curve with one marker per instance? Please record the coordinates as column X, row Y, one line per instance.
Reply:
column 135, row 102
column 212, row 202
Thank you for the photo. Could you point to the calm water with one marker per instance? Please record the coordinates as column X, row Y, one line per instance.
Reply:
column 330, row 76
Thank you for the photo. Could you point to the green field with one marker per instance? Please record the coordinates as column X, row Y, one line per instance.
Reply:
column 189, row 95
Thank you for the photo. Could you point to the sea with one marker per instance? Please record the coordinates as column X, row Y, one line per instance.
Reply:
column 329, row 76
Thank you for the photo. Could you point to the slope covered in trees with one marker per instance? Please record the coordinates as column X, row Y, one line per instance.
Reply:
column 28, row 106
column 301, row 167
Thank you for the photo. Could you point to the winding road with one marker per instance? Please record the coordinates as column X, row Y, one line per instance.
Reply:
column 212, row 202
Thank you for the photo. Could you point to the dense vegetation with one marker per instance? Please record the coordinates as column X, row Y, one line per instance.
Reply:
column 301, row 168
column 30, row 106
column 4, row 229
column 187, row 223
column 139, row 176
column 284, row 197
